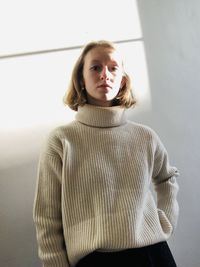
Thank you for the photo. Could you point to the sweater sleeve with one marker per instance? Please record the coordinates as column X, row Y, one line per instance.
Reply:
column 47, row 210
column 165, row 184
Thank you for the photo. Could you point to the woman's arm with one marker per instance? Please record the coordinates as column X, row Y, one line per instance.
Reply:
column 47, row 212
column 165, row 184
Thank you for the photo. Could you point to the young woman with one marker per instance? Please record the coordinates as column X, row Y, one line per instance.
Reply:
column 93, row 203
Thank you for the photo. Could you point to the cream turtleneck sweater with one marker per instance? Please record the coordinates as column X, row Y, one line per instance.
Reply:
column 93, row 189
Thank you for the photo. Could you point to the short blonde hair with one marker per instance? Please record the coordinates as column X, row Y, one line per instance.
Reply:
column 76, row 96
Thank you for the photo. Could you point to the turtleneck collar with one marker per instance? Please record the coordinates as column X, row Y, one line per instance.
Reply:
column 101, row 116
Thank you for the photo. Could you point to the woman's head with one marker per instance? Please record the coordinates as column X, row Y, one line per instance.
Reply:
column 99, row 78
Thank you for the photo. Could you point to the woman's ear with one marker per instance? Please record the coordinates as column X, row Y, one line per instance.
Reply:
column 82, row 83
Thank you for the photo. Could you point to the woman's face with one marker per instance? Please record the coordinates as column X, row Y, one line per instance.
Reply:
column 102, row 75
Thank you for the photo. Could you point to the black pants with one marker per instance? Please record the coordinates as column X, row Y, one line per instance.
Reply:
column 157, row 255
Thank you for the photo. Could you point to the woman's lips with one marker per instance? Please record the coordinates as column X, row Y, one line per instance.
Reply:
column 105, row 85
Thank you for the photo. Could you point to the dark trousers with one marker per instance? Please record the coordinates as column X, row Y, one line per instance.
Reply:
column 157, row 255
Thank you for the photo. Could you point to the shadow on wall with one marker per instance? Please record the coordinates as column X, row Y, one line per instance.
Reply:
column 171, row 37
column 17, row 233
column 19, row 155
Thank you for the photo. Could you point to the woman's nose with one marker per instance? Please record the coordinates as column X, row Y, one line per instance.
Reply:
column 104, row 74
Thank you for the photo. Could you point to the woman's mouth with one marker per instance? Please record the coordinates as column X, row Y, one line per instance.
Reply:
column 104, row 85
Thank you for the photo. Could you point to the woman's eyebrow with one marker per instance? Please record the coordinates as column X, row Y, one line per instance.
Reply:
column 95, row 61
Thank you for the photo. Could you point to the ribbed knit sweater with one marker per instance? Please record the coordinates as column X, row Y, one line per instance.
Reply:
column 94, row 187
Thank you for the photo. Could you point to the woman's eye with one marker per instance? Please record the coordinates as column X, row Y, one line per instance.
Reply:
column 96, row 68
column 114, row 68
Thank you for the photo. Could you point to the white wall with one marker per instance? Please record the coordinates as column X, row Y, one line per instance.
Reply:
column 166, row 73
column 171, row 36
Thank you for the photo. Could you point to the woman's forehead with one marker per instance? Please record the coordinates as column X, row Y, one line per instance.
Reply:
column 103, row 54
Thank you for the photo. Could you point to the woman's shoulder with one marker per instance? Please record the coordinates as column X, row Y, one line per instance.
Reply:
column 62, row 131
column 142, row 129
column 146, row 135
column 56, row 136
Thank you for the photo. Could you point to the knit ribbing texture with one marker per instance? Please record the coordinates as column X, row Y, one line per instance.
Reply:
column 94, row 187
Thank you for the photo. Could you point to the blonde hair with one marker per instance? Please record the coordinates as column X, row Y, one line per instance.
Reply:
column 76, row 96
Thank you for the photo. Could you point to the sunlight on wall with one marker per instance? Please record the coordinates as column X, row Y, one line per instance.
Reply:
column 36, row 25
column 32, row 87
